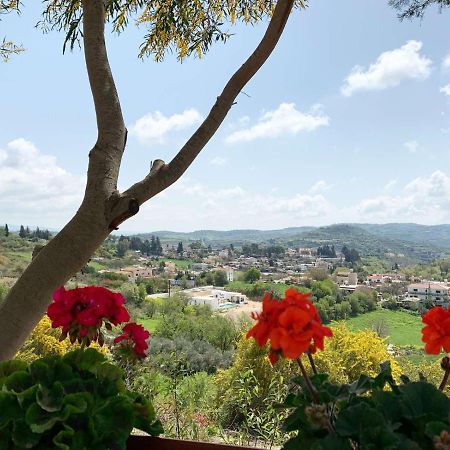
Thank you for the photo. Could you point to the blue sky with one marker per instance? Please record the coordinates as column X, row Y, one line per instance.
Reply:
column 348, row 121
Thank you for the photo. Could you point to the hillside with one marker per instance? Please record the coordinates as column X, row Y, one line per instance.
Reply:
column 367, row 243
column 436, row 235
column 236, row 237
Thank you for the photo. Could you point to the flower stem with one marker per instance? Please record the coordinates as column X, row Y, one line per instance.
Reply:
column 445, row 364
column 309, row 385
column 313, row 364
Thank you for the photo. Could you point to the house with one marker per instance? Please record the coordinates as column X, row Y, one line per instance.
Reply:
column 429, row 291
column 230, row 273
column 347, row 278
column 135, row 272
column 215, row 298
column 201, row 267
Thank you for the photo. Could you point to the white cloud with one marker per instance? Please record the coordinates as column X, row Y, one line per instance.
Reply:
column 411, row 146
column 445, row 89
column 390, row 69
column 390, row 185
column 33, row 188
column 285, row 120
column 218, row 161
column 446, row 62
column 425, row 199
column 320, row 186
column 154, row 127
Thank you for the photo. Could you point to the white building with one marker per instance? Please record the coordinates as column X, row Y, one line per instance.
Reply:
column 230, row 273
column 214, row 297
column 207, row 300
column 429, row 291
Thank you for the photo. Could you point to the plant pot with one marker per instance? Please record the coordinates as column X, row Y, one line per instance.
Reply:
column 155, row 443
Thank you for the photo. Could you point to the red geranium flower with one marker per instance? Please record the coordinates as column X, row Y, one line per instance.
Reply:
column 136, row 337
column 436, row 332
column 292, row 326
column 81, row 311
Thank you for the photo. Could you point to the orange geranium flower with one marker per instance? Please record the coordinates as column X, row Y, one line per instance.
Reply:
column 267, row 319
column 436, row 332
column 292, row 326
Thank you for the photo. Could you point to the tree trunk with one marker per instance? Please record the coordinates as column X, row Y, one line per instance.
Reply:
column 103, row 208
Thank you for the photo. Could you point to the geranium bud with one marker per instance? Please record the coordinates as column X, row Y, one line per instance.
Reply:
column 445, row 363
column 63, row 336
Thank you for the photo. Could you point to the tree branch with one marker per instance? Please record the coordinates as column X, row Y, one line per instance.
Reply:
column 166, row 174
column 107, row 152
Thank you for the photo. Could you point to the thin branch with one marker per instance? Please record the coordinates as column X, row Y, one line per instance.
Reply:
column 167, row 174
column 110, row 123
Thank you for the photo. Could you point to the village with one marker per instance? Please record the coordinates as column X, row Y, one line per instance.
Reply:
column 205, row 275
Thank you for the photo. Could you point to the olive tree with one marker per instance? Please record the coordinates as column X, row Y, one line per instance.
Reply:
column 183, row 26
column 7, row 47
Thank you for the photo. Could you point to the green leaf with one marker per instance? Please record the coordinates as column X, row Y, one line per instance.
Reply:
column 28, row 396
column 50, row 399
column 41, row 371
column 88, row 359
column 332, row 443
column 389, row 405
column 9, row 367
column 18, row 381
column 435, row 428
column 355, row 420
column 105, row 424
column 9, row 408
column 420, row 400
column 40, row 420
column 23, row 436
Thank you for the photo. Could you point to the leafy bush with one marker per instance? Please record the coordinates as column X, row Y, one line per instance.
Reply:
column 370, row 413
column 69, row 402
column 192, row 356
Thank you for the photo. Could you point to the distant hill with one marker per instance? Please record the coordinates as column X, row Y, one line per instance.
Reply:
column 416, row 242
column 369, row 243
column 236, row 237
column 437, row 235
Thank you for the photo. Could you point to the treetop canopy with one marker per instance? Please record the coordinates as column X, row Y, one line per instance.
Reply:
column 180, row 26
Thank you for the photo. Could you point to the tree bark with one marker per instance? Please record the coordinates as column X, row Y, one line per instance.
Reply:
column 103, row 208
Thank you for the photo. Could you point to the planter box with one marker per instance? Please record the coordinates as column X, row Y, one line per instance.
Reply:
column 154, row 443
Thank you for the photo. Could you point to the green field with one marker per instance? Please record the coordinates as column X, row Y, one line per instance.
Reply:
column 23, row 255
column 97, row 265
column 180, row 263
column 400, row 327
column 244, row 287
column 149, row 324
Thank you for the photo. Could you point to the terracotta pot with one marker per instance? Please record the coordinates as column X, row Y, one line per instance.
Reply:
column 154, row 443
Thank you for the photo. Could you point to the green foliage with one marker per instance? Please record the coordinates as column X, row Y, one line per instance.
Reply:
column 186, row 27
column 132, row 294
column 193, row 322
column 8, row 48
column 252, row 275
column 3, row 292
column 192, row 356
column 69, row 402
column 248, row 391
column 373, row 412
column 436, row 270
column 410, row 9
